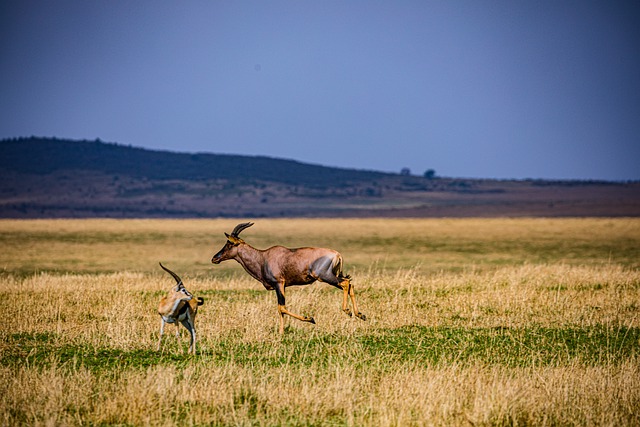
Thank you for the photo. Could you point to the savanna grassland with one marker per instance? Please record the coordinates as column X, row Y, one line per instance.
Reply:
column 470, row 322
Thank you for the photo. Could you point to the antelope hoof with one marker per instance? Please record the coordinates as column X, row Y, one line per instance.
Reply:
column 311, row 320
column 361, row 316
column 348, row 311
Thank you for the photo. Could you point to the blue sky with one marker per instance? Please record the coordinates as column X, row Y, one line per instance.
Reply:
column 483, row 89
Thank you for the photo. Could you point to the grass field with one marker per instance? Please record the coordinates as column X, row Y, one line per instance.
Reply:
column 470, row 322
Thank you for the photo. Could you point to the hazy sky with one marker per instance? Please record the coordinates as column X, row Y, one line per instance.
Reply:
column 495, row 89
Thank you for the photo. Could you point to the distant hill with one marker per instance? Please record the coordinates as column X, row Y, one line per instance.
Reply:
column 49, row 177
column 45, row 155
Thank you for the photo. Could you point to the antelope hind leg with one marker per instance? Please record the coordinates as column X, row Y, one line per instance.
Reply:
column 192, row 332
column 345, row 284
column 353, row 302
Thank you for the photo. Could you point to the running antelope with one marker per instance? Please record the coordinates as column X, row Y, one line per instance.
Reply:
column 279, row 267
column 179, row 306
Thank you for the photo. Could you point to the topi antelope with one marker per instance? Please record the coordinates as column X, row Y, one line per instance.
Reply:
column 279, row 267
column 179, row 306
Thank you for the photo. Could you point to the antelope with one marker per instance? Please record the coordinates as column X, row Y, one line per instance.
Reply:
column 179, row 306
column 278, row 268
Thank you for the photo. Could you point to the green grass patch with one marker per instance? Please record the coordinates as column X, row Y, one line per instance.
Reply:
column 385, row 349
column 512, row 347
column 38, row 351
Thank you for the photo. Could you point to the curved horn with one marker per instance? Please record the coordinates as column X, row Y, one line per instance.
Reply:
column 175, row 276
column 240, row 227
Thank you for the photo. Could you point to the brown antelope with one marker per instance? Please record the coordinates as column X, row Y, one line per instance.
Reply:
column 279, row 267
column 179, row 306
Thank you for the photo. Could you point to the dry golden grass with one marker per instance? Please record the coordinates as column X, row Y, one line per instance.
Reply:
column 474, row 322
column 236, row 395
column 105, row 245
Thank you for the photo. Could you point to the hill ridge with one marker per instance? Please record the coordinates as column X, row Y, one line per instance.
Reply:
column 46, row 155
column 51, row 177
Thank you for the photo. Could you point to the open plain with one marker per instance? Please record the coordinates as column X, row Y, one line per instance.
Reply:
column 470, row 322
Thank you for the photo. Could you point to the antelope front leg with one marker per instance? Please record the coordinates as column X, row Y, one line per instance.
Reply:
column 161, row 332
column 282, row 309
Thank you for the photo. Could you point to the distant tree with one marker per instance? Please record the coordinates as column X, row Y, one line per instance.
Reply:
column 430, row 174
column 405, row 171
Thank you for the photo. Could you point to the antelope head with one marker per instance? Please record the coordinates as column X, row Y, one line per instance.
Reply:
column 230, row 249
column 179, row 292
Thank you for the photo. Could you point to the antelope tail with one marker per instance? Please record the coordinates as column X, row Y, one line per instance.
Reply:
column 337, row 268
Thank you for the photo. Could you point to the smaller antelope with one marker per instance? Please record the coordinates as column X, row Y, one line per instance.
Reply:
column 179, row 306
